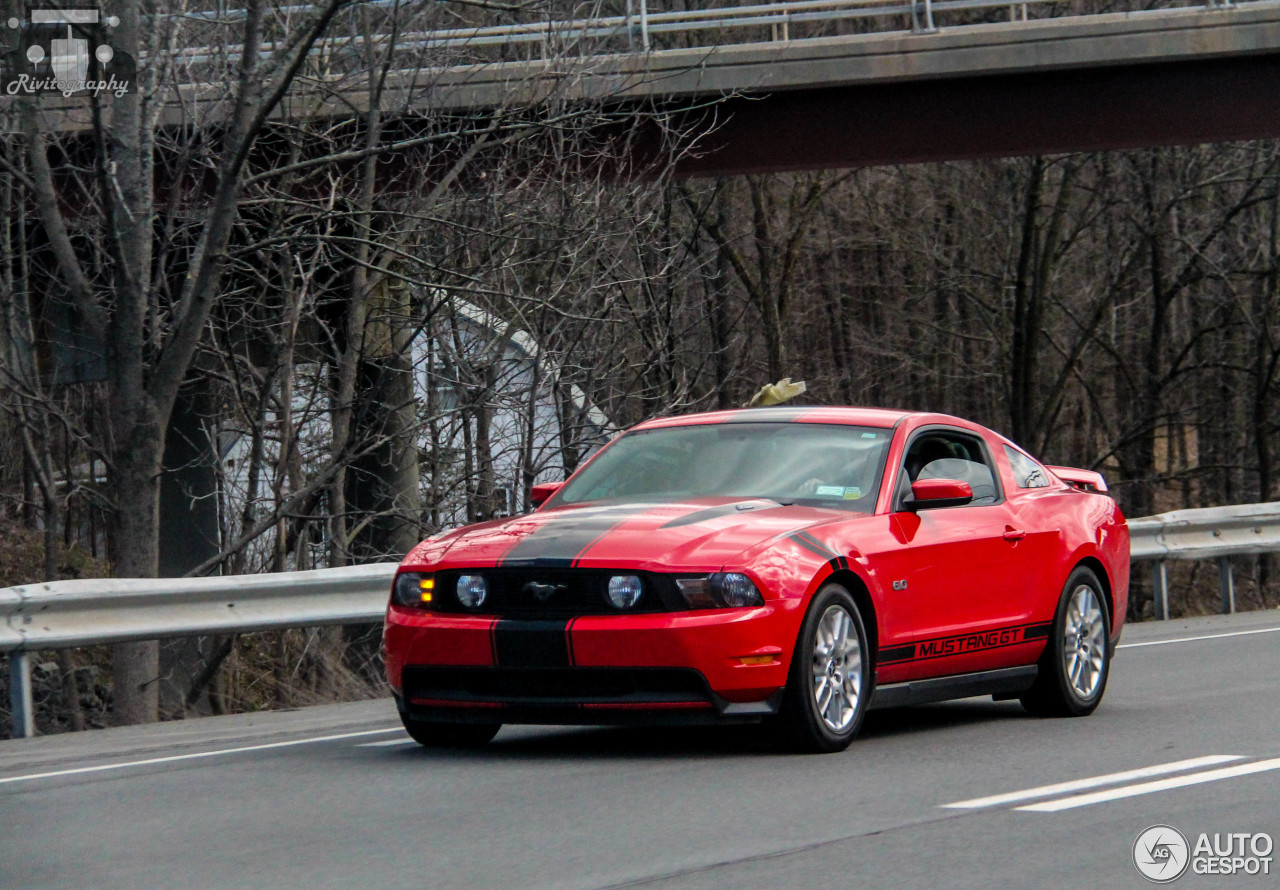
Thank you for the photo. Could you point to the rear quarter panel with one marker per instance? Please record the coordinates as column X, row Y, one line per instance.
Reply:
column 1069, row 527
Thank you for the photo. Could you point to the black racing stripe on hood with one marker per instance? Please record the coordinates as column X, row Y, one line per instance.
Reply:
column 722, row 510
column 558, row 542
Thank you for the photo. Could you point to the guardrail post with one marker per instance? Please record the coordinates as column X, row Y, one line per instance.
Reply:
column 1160, row 590
column 644, row 25
column 21, row 709
column 1227, row 579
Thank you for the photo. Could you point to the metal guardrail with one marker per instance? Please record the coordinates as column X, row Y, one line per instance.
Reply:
column 1210, row 533
column 1206, row 533
column 64, row 614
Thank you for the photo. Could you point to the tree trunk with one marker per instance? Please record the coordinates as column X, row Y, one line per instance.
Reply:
column 1025, row 313
column 385, row 479
column 134, row 533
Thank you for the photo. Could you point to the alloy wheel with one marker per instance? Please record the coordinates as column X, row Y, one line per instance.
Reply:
column 837, row 668
column 1084, row 643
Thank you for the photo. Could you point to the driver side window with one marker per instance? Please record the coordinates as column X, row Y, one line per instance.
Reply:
column 939, row 454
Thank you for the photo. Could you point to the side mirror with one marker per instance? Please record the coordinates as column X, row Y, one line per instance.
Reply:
column 541, row 492
column 927, row 493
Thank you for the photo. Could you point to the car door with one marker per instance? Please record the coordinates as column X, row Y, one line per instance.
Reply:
column 961, row 568
column 1038, row 503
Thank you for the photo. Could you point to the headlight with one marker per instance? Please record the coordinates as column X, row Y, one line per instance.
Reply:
column 721, row 590
column 472, row 590
column 624, row 591
column 735, row 590
column 414, row 590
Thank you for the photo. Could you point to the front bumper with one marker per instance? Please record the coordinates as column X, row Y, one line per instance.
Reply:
column 685, row 667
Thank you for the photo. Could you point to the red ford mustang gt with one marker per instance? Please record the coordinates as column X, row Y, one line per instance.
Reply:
column 799, row 565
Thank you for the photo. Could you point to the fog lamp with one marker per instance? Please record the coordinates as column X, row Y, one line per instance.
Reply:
column 624, row 591
column 472, row 590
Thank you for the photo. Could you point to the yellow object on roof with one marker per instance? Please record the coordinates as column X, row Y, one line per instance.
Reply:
column 776, row 393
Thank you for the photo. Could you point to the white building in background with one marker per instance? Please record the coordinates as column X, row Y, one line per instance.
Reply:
column 463, row 357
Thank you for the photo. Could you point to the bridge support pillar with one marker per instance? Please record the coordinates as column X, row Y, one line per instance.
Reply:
column 21, row 707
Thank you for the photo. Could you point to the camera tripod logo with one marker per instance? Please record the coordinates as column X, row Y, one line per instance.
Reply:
column 67, row 51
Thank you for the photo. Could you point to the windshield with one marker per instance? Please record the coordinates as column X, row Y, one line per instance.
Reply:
column 827, row 465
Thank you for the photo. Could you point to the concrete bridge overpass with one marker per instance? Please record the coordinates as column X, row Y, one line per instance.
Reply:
column 1048, row 85
column 1077, row 83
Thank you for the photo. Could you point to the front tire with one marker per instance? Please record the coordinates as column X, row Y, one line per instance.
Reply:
column 449, row 735
column 1077, row 660
column 830, row 679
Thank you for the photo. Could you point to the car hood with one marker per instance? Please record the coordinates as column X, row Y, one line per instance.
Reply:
column 695, row 534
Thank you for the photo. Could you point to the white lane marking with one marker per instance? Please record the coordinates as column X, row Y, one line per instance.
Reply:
column 1234, row 633
column 176, row 757
column 1145, row 772
column 1213, row 775
column 387, row 744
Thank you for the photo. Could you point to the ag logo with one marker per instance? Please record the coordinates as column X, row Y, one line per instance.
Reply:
column 1161, row 854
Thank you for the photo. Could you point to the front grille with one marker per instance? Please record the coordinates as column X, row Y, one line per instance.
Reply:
column 550, row 686
column 576, row 592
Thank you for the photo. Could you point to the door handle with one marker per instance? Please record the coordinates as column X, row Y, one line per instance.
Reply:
column 1013, row 534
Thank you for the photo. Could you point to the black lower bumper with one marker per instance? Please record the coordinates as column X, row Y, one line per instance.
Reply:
column 563, row 696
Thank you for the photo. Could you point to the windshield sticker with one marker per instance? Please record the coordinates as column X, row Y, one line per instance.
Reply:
column 839, row 491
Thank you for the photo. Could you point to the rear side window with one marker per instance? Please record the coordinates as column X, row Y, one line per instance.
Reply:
column 1027, row 472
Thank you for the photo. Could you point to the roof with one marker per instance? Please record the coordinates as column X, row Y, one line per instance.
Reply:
column 877, row 417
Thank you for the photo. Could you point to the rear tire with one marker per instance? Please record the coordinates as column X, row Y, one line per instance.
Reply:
column 1077, row 660
column 449, row 735
column 830, row 680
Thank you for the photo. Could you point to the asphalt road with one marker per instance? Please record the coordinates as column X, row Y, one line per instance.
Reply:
column 337, row 796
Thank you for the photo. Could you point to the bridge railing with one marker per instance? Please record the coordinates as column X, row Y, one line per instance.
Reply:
column 66, row 614
column 637, row 29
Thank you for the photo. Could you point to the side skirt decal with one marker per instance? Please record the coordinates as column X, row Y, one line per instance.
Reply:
column 963, row 644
